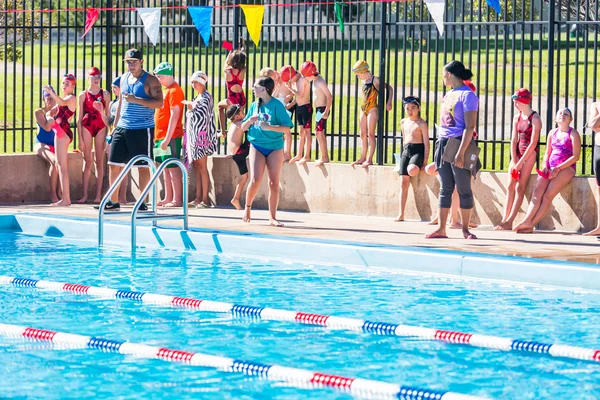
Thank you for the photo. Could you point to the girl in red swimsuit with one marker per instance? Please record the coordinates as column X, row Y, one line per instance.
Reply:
column 235, row 72
column 524, row 147
column 58, row 119
column 92, row 126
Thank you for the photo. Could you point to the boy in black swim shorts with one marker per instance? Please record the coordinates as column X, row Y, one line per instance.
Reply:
column 416, row 147
column 238, row 148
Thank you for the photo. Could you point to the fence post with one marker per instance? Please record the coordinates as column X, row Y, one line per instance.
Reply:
column 382, row 84
column 550, row 83
column 236, row 23
column 109, row 43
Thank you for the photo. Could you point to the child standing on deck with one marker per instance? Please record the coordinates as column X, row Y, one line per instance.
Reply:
column 300, row 87
column 235, row 72
column 416, row 147
column 286, row 97
column 238, row 148
column 323, row 100
column 370, row 112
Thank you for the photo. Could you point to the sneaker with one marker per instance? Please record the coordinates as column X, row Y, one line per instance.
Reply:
column 110, row 206
column 143, row 207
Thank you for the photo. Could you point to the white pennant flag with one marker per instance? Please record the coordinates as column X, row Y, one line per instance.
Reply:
column 151, row 19
column 437, row 9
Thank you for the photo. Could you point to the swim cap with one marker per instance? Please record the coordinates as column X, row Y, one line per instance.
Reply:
column 46, row 94
column 308, row 69
column 287, row 73
column 71, row 78
column 117, row 81
column 522, row 96
column 199, row 77
column 94, row 71
column 360, row 66
column 164, row 68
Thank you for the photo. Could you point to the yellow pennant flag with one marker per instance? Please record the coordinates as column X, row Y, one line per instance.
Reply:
column 254, row 20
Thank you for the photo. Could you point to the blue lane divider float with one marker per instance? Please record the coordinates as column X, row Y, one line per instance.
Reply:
column 363, row 387
column 377, row 328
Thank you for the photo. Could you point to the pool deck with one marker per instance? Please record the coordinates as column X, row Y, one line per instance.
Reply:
column 544, row 245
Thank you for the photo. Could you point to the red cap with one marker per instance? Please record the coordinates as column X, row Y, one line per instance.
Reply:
column 470, row 85
column 94, row 71
column 71, row 78
column 287, row 73
column 522, row 96
column 308, row 69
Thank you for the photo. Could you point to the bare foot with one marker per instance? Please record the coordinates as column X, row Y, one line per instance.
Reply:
column 61, row 203
column 400, row 218
column 246, row 217
column 525, row 230
column 366, row 164
column 193, row 203
column 122, row 201
column 97, row 200
column 503, row 226
column 297, row 158
column 438, row 234
column 286, row 156
column 174, row 204
column 83, row 200
column 163, row 202
column 303, row 161
column 274, row 222
column 468, row 235
column 360, row 161
column 522, row 227
column 455, row 225
column 320, row 162
column 595, row 232
column 54, row 199
column 473, row 225
column 433, row 221
column 236, row 204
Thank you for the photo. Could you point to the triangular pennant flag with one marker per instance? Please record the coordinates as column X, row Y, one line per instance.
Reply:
column 151, row 19
column 254, row 20
column 437, row 8
column 495, row 4
column 202, row 17
column 90, row 20
column 338, row 13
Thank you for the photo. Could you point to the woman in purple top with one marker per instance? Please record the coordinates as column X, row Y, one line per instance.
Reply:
column 458, row 118
column 563, row 147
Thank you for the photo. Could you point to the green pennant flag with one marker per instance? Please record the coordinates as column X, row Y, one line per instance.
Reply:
column 339, row 15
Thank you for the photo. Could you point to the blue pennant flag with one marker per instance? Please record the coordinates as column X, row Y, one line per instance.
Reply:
column 495, row 4
column 202, row 17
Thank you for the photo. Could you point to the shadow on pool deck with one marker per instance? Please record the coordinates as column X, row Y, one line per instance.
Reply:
column 369, row 230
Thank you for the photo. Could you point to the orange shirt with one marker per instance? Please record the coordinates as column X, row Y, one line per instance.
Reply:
column 173, row 96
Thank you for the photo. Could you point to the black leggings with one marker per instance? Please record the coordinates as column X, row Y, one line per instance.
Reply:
column 597, row 162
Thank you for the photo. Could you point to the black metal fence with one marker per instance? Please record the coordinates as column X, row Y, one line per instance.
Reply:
column 549, row 47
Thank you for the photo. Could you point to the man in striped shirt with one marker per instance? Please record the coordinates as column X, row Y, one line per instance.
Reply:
column 141, row 93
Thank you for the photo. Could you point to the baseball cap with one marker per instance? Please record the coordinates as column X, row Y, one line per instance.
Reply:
column 522, row 96
column 94, row 71
column 133, row 54
column 117, row 81
column 199, row 77
column 46, row 94
column 164, row 68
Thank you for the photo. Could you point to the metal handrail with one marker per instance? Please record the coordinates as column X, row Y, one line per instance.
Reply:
column 152, row 185
column 114, row 187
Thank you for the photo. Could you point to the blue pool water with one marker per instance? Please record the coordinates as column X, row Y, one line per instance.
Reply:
column 32, row 369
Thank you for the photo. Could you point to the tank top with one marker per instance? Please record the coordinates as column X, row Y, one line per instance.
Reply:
column 135, row 116
column 524, row 130
column 562, row 149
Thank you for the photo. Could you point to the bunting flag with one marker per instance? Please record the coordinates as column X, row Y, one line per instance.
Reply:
column 495, row 4
column 254, row 20
column 90, row 20
column 437, row 9
column 151, row 19
column 339, row 14
column 202, row 18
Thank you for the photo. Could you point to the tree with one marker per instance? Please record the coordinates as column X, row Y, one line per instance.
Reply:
column 12, row 37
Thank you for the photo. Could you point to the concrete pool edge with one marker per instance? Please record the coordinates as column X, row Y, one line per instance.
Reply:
column 412, row 259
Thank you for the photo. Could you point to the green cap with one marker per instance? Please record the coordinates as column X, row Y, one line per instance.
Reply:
column 164, row 68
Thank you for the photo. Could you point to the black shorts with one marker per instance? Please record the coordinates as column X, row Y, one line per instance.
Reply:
column 413, row 153
column 240, row 157
column 304, row 115
column 128, row 143
column 323, row 122
column 597, row 162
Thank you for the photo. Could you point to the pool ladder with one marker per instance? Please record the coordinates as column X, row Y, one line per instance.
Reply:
column 151, row 216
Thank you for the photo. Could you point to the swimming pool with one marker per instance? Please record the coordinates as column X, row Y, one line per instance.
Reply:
column 35, row 369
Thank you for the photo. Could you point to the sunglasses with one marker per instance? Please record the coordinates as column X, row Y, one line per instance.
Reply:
column 412, row 100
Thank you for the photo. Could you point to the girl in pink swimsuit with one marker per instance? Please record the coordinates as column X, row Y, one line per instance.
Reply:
column 562, row 153
column 58, row 119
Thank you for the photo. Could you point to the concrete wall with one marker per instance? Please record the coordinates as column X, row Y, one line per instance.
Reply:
column 338, row 188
